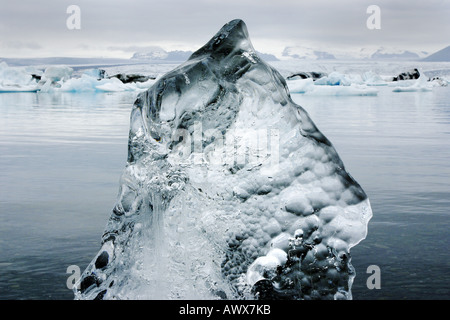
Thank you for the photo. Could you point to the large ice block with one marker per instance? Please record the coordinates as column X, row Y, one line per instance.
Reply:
column 230, row 191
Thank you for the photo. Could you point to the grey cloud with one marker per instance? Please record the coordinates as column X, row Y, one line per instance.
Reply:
column 137, row 24
column 19, row 45
column 133, row 48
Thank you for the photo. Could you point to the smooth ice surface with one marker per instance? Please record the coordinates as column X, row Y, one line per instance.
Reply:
column 230, row 191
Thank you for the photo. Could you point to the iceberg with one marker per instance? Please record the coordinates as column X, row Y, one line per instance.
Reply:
column 420, row 85
column 61, row 79
column 96, row 73
column 307, row 87
column 128, row 78
column 57, row 73
column 409, row 75
column 351, row 90
column 300, row 85
column 306, row 75
column 230, row 191
column 92, row 81
column 438, row 82
column 339, row 79
column 334, row 84
column 88, row 83
column 16, row 79
column 370, row 78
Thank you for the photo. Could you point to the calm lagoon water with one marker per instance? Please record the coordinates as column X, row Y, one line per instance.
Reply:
column 62, row 154
column 397, row 146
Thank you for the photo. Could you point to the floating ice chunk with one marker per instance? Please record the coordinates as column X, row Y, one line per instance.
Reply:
column 87, row 83
column 96, row 73
column 57, row 73
column 354, row 79
column 300, row 85
column 419, row 85
column 17, row 88
column 336, row 84
column 46, row 86
column 403, row 83
column 144, row 85
column 60, row 78
column 229, row 229
column 129, row 78
column 306, row 75
column 412, row 89
column 307, row 87
column 370, row 78
column 82, row 84
column 113, row 85
column 16, row 79
column 351, row 90
column 13, row 76
column 411, row 74
column 339, row 79
column 438, row 82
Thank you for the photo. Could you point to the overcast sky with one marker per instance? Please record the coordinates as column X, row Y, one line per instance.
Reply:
column 30, row 28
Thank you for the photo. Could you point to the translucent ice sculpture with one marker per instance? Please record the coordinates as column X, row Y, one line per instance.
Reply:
column 230, row 191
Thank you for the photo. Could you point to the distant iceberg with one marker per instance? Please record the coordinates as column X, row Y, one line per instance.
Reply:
column 371, row 78
column 308, row 87
column 62, row 79
column 422, row 84
column 337, row 84
column 16, row 79
column 339, row 79
column 351, row 90
column 58, row 79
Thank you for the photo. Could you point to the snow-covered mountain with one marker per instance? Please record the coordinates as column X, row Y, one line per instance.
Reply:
column 396, row 53
column 441, row 55
column 306, row 53
column 159, row 54
column 379, row 53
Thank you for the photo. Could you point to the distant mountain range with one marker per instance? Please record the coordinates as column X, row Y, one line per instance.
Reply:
column 68, row 61
column 395, row 54
column 159, row 55
column 307, row 53
column 441, row 55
